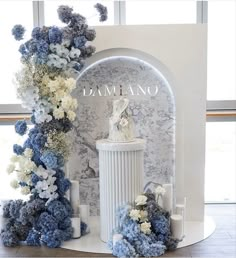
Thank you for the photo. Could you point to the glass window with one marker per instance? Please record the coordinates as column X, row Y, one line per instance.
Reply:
column 11, row 13
column 220, row 177
column 221, row 50
column 160, row 12
column 84, row 7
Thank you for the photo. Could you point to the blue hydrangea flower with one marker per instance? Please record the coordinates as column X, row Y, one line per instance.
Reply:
column 17, row 149
column 35, row 179
column 67, row 234
column 64, row 13
column 90, row 34
column 83, row 228
column 161, row 225
column 123, row 248
column 67, row 204
column 52, row 160
column 57, row 210
column 38, row 141
column 80, row 41
column 9, row 239
column 33, row 238
column 42, row 52
column 55, row 35
column 63, row 185
column 102, row 10
column 27, row 144
column 52, row 239
column 21, row 127
column 47, row 222
column 66, row 223
column 18, row 32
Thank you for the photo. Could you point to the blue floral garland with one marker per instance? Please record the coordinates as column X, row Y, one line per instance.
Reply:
column 143, row 229
column 50, row 60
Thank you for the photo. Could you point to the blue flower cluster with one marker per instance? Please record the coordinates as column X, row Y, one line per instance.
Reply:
column 37, row 224
column 102, row 11
column 21, row 127
column 43, row 46
column 18, row 31
column 136, row 243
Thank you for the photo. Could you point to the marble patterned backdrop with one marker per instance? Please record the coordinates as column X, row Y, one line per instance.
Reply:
column 154, row 118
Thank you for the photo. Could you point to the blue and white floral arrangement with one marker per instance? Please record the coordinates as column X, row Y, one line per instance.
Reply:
column 143, row 229
column 50, row 61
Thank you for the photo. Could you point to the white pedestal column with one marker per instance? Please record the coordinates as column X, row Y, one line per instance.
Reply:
column 121, row 179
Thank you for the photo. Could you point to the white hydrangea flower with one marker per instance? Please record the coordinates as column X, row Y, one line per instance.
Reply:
column 71, row 115
column 28, row 153
column 14, row 158
column 141, row 200
column 70, row 84
column 25, row 190
column 135, row 214
column 22, row 177
column 145, row 227
column 66, row 102
column 160, row 190
column 58, row 113
column 10, row 169
column 29, row 166
column 14, row 184
column 53, row 85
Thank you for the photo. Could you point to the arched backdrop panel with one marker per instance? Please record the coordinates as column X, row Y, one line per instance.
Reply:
column 152, row 106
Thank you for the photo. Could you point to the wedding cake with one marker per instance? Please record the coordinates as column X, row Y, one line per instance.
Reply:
column 121, row 126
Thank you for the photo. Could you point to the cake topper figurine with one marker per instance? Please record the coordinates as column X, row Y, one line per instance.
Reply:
column 121, row 128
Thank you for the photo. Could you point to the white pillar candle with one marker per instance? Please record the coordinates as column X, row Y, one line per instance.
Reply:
column 84, row 213
column 176, row 226
column 180, row 210
column 75, row 222
column 74, row 195
column 116, row 238
column 168, row 197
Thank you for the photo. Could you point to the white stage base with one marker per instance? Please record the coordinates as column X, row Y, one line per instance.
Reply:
column 195, row 232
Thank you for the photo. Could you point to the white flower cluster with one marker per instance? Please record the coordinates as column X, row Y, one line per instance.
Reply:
column 46, row 188
column 59, row 92
column 23, row 166
column 141, row 216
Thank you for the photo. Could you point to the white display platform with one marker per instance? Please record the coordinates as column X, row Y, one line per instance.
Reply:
column 195, row 232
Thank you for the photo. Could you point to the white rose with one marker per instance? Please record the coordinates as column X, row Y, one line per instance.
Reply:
column 141, row 200
column 146, row 227
column 10, row 168
column 160, row 190
column 25, row 190
column 71, row 115
column 28, row 153
column 134, row 214
column 58, row 113
column 14, row 184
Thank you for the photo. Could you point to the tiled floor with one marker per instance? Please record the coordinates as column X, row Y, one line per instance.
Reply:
column 221, row 244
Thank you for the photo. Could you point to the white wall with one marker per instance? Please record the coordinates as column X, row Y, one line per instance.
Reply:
column 182, row 49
